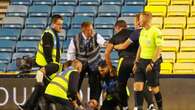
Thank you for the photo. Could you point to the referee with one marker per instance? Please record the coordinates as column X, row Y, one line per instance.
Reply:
column 148, row 60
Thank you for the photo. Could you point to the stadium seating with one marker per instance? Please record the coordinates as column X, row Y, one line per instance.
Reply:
column 20, row 55
column 189, row 34
column 5, row 58
column 192, row 12
column 7, row 46
column 31, row 34
column 67, row 2
column 9, row 34
column 63, row 57
column 63, row 10
column 112, row 2
column 168, row 57
column 21, row 2
column 187, row 45
column 181, row 2
column 26, row 46
column 178, row 10
column 175, row 22
column 186, row 57
column 104, row 22
column 109, row 10
column 184, row 68
column 159, row 2
column 40, row 10
column 13, row 22
column 166, row 68
column 62, row 35
column 72, row 33
column 65, row 45
column 114, row 56
column 17, row 10
column 157, row 10
column 86, row 11
column 131, row 10
column 26, row 19
column 190, row 22
column 89, row 2
column 12, row 67
column 77, row 21
column 170, row 46
column 157, row 22
column 173, row 34
column 106, row 33
column 129, row 21
column 36, row 22
column 43, row 2
column 3, row 67
column 135, row 2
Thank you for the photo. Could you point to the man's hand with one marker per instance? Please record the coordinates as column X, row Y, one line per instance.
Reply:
column 93, row 104
column 149, row 68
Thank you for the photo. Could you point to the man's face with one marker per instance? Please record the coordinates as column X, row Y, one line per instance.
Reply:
column 143, row 21
column 88, row 31
column 103, row 71
column 58, row 25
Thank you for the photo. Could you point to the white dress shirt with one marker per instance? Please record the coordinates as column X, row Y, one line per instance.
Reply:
column 71, row 52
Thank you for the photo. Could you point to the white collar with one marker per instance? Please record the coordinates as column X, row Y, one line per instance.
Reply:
column 84, row 36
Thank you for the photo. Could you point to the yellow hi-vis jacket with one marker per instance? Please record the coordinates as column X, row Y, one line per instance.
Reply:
column 58, row 87
column 40, row 58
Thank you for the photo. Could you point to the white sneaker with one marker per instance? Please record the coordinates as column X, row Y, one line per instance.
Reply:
column 151, row 107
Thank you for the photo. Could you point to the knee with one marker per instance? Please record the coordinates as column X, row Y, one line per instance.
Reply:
column 138, row 86
column 155, row 89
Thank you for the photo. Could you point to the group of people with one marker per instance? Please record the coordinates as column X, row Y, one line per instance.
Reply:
column 139, row 57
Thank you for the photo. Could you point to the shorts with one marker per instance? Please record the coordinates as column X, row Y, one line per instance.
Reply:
column 152, row 78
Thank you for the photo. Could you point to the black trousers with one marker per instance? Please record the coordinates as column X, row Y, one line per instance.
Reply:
column 94, row 80
column 124, row 70
column 60, row 104
column 39, row 90
column 109, row 105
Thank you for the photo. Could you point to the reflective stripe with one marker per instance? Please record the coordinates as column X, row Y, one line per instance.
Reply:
column 59, row 85
column 83, row 55
column 119, row 65
column 128, row 92
column 90, row 60
column 43, row 53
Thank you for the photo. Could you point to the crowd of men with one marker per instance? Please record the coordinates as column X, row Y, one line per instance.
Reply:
column 139, row 57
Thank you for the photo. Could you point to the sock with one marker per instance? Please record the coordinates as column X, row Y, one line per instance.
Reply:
column 148, row 96
column 158, row 98
column 138, row 99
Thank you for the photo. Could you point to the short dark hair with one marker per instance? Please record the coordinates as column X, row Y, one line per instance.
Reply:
column 121, row 23
column 102, row 64
column 54, row 18
column 86, row 24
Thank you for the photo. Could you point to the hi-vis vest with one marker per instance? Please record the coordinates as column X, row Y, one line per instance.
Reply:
column 58, row 87
column 40, row 59
column 87, row 52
